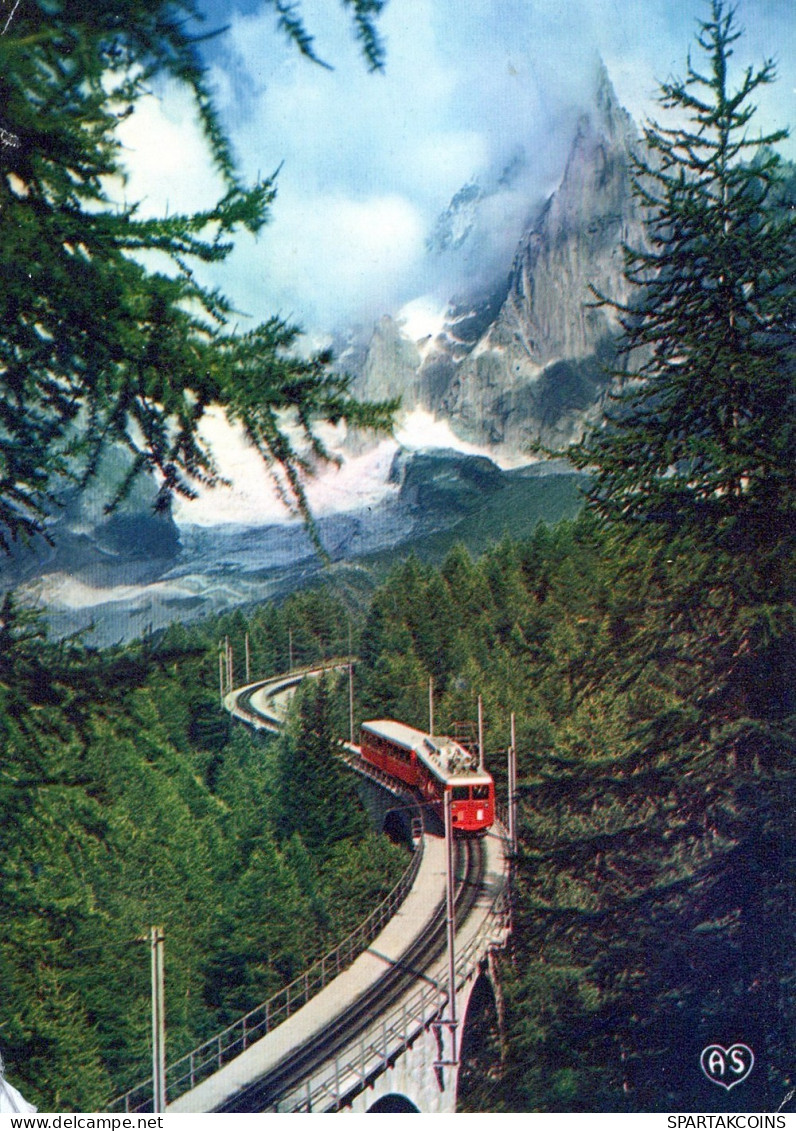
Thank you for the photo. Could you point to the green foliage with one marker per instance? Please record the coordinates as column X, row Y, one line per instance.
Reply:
column 128, row 801
column 318, row 800
column 97, row 346
column 364, row 13
column 254, row 962
column 700, row 439
column 648, row 652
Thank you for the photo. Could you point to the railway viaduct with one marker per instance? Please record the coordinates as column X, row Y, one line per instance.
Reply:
column 369, row 1028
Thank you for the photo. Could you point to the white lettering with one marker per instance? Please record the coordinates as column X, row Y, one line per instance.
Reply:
column 736, row 1057
column 716, row 1065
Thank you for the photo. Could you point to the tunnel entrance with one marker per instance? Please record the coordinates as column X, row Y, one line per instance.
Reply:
column 397, row 827
column 393, row 1103
column 480, row 1049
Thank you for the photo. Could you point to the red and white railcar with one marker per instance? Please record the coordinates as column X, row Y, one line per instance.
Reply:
column 433, row 765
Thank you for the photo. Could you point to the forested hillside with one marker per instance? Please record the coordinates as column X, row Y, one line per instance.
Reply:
column 654, row 886
column 129, row 801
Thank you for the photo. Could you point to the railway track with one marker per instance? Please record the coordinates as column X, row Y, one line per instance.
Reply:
column 257, row 717
column 314, row 1074
column 283, row 1082
column 264, row 1094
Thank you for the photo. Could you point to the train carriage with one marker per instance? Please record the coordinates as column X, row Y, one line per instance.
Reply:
column 433, row 765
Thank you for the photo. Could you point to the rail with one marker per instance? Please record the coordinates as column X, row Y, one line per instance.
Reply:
column 189, row 1070
column 208, row 1057
column 261, row 720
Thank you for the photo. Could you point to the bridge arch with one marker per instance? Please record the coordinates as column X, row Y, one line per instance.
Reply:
column 394, row 1102
column 397, row 826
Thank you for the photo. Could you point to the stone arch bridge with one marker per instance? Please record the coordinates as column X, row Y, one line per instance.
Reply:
column 368, row 1027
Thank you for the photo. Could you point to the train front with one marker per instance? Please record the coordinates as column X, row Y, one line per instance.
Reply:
column 472, row 802
column 456, row 771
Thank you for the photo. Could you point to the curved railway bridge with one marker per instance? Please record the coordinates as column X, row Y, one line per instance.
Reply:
column 367, row 1027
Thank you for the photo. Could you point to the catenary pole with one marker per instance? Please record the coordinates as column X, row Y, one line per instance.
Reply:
column 450, row 917
column 351, row 701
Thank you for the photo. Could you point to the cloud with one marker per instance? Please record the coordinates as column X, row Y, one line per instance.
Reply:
column 166, row 155
column 358, row 481
column 332, row 252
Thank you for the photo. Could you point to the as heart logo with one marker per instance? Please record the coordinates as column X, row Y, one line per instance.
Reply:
column 727, row 1067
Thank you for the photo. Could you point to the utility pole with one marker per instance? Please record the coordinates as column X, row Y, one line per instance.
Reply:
column 248, row 660
column 221, row 675
column 157, row 939
column 513, row 790
column 480, row 735
column 290, row 647
column 431, row 704
column 350, row 701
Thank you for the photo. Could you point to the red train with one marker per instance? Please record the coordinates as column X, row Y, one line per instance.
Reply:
column 433, row 765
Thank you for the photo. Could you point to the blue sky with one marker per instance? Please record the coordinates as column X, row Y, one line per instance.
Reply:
column 367, row 162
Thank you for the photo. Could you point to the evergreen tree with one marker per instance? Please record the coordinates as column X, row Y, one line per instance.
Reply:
column 318, row 798
column 659, row 832
column 700, row 442
column 268, row 934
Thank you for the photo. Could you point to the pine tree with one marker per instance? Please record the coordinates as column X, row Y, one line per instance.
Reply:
column 700, row 440
column 96, row 347
column 659, row 833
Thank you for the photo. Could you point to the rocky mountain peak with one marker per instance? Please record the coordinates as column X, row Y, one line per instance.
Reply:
column 535, row 370
column 576, row 242
column 612, row 118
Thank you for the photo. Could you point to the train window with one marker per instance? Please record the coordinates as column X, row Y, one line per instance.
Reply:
column 480, row 792
column 460, row 793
